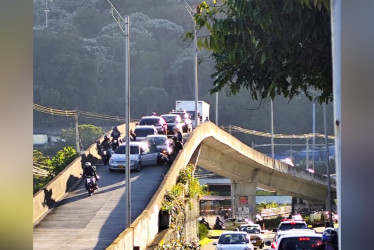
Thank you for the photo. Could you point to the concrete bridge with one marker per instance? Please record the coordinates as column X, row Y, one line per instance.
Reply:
column 215, row 150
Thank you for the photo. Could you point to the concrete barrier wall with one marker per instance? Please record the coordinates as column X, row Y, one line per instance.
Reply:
column 56, row 189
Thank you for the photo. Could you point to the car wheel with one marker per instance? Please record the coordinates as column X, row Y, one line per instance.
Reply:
column 111, row 170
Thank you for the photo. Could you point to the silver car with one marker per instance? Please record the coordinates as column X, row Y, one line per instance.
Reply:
column 234, row 240
column 140, row 155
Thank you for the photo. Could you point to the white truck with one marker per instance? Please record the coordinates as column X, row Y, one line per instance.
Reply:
column 189, row 106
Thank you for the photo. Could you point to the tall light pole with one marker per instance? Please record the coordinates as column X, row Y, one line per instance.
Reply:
column 336, row 79
column 192, row 12
column 118, row 18
column 46, row 11
column 272, row 131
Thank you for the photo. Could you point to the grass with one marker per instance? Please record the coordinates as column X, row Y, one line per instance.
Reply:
column 205, row 241
column 213, row 234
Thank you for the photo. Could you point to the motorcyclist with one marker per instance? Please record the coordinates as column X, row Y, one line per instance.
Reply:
column 219, row 223
column 105, row 145
column 89, row 171
column 330, row 239
column 115, row 137
column 178, row 134
column 115, row 133
column 176, row 147
column 204, row 222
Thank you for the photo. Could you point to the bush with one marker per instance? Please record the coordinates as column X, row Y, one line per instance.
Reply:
column 203, row 231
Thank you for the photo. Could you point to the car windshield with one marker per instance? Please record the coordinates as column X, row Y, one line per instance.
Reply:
column 170, row 119
column 157, row 141
column 122, row 149
column 252, row 230
column 293, row 226
column 149, row 121
column 182, row 115
column 143, row 132
column 300, row 243
column 233, row 239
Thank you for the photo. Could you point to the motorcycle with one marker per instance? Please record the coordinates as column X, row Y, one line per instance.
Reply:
column 90, row 184
column 218, row 227
column 115, row 144
column 104, row 153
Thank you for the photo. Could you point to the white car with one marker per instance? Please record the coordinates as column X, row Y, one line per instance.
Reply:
column 255, row 233
column 140, row 155
column 232, row 223
column 232, row 240
column 297, row 240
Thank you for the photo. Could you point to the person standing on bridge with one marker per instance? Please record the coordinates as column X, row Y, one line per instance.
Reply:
column 178, row 134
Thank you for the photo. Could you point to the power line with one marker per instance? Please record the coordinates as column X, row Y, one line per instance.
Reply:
column 73, row 113
column 281, row 136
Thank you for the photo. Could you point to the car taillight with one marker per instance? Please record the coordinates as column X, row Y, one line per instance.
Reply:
column 273, row 245
column 304, row 238
column 293, row 223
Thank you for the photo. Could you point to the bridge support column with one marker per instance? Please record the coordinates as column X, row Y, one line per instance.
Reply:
column 243, row 198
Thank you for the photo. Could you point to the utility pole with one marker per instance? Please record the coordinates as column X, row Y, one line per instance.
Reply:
column 192, row 12
column 77, row 147
column 329, row 203
column 126, row 30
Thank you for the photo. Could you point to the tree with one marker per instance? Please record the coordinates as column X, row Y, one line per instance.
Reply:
column 88, row 135
column 269, row 47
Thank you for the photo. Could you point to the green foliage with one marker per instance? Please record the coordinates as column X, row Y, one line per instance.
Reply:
column 270, row 47
column 52, row 166
column 62, row 159
column 203, row 231
column 88, row 134
column 272, row 223
column 174, row 203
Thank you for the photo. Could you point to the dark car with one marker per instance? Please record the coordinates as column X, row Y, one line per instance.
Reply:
column 173, row 120
column 156, row 121
column 186, row 120
column 143, row 131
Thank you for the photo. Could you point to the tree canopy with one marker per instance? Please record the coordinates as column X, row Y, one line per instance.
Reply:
column 269, row 47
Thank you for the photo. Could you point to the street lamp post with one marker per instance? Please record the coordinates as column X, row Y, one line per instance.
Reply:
column 118, row 18
column 192, row 12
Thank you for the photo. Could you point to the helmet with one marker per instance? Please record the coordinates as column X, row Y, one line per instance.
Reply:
column 175, row 128
column 330, row 235
column 87, row 164
column 106, row 137
column 115, row 128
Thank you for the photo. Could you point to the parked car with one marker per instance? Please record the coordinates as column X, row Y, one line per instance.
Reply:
column 297, row 241
column 234, row 240
column 142, row 132
column 173, row 120
column 140, row 155
column 186, row 120
column 157, row 121
column 255, row 233
column 232, row 223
